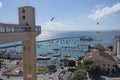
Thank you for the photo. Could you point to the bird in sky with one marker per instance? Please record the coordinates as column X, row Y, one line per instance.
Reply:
column 52, row 18
column 97, row 23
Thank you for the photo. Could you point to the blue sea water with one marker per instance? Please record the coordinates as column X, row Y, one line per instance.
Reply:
column 68, row 42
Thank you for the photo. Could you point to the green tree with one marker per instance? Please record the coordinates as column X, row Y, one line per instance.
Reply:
column 88, row 62
column 80, row 75
column 70, row 63
column 80, row 57
column 91, row 67
column 1, row 53
column 50, row 67
column 110, row 47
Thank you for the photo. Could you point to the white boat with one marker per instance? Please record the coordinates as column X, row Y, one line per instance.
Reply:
column 67, row 55
column 57, row 55
column 43, row 58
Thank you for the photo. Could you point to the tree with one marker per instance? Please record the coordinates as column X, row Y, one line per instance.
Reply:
column 50, row 67
column 91, row 67
column 80, row 75
column 88, row 62
column 68, row 62
column 1, row 53
column 80, row 57
column 110, row 47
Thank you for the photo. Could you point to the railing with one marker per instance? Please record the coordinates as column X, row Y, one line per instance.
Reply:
column 18, row 28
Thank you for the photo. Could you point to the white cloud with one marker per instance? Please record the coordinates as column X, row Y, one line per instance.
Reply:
column 53, row 25
column 106, row 11
column 1, row 5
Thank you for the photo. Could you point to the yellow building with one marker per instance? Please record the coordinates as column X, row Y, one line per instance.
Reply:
column 104, row 60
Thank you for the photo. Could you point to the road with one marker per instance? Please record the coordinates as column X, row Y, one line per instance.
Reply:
column 46, row 76
column 54, row 76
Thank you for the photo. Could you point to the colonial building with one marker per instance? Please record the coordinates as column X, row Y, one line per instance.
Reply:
column 104, row 60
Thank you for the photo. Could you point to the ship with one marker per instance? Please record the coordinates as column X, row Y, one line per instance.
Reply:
column 86, row 38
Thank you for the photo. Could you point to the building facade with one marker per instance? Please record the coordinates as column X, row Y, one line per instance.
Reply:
column 116, row 45
column 105, row 61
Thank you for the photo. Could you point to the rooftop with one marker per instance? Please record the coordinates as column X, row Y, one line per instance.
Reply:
column 96, row 54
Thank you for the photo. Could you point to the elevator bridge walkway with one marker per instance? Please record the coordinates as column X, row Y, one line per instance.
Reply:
column 15, row 32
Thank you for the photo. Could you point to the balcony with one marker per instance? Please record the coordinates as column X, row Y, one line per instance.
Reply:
column 12, row 28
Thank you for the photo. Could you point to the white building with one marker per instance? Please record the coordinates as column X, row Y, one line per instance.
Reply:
column 116, row 45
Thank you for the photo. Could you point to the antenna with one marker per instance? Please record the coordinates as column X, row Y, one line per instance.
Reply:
column 27, row 2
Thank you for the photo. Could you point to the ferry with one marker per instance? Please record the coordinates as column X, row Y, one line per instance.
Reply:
column 86, row 38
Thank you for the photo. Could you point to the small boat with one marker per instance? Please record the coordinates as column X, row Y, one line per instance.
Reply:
column 49, row 53
column 54, row 58
column 67, row 55
column 43, row 58
column 57, row 55
column 56, row 49
column 42, row 54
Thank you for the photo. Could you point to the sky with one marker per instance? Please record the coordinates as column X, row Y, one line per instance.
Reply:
column 75, row 15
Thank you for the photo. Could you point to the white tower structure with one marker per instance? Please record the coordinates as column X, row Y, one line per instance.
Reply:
column 116, row 45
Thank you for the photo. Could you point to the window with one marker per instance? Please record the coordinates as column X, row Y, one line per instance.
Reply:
column 103, row 69
column 103, row 64
column 24, row 48
column 23, row 17
column 29, row 48
column 113, row 65
column 108, row 65
column 25, row 66
column 23, row 10
column 113, row 70
column 29, row 67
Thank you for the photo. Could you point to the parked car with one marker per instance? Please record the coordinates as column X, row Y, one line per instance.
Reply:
column 1, row 79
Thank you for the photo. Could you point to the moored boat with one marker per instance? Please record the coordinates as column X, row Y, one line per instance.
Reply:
column 43, row 58
column 57, row 55
column 86, row 38
column 67, row 55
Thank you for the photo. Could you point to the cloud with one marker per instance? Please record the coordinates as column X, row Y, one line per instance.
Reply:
column 106, row 11
column 1, row 5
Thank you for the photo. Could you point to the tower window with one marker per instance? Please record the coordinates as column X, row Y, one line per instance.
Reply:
column 23, row 10
column 23, row 17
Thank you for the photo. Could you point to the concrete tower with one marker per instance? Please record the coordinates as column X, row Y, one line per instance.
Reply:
column 116, row 45
column 26, row 31
column 27, row 17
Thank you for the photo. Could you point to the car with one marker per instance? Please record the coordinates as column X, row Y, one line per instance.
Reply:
column 6, row 67
column 1, row 79
column 8, row 76
column 51, row 77
column 44, row 73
